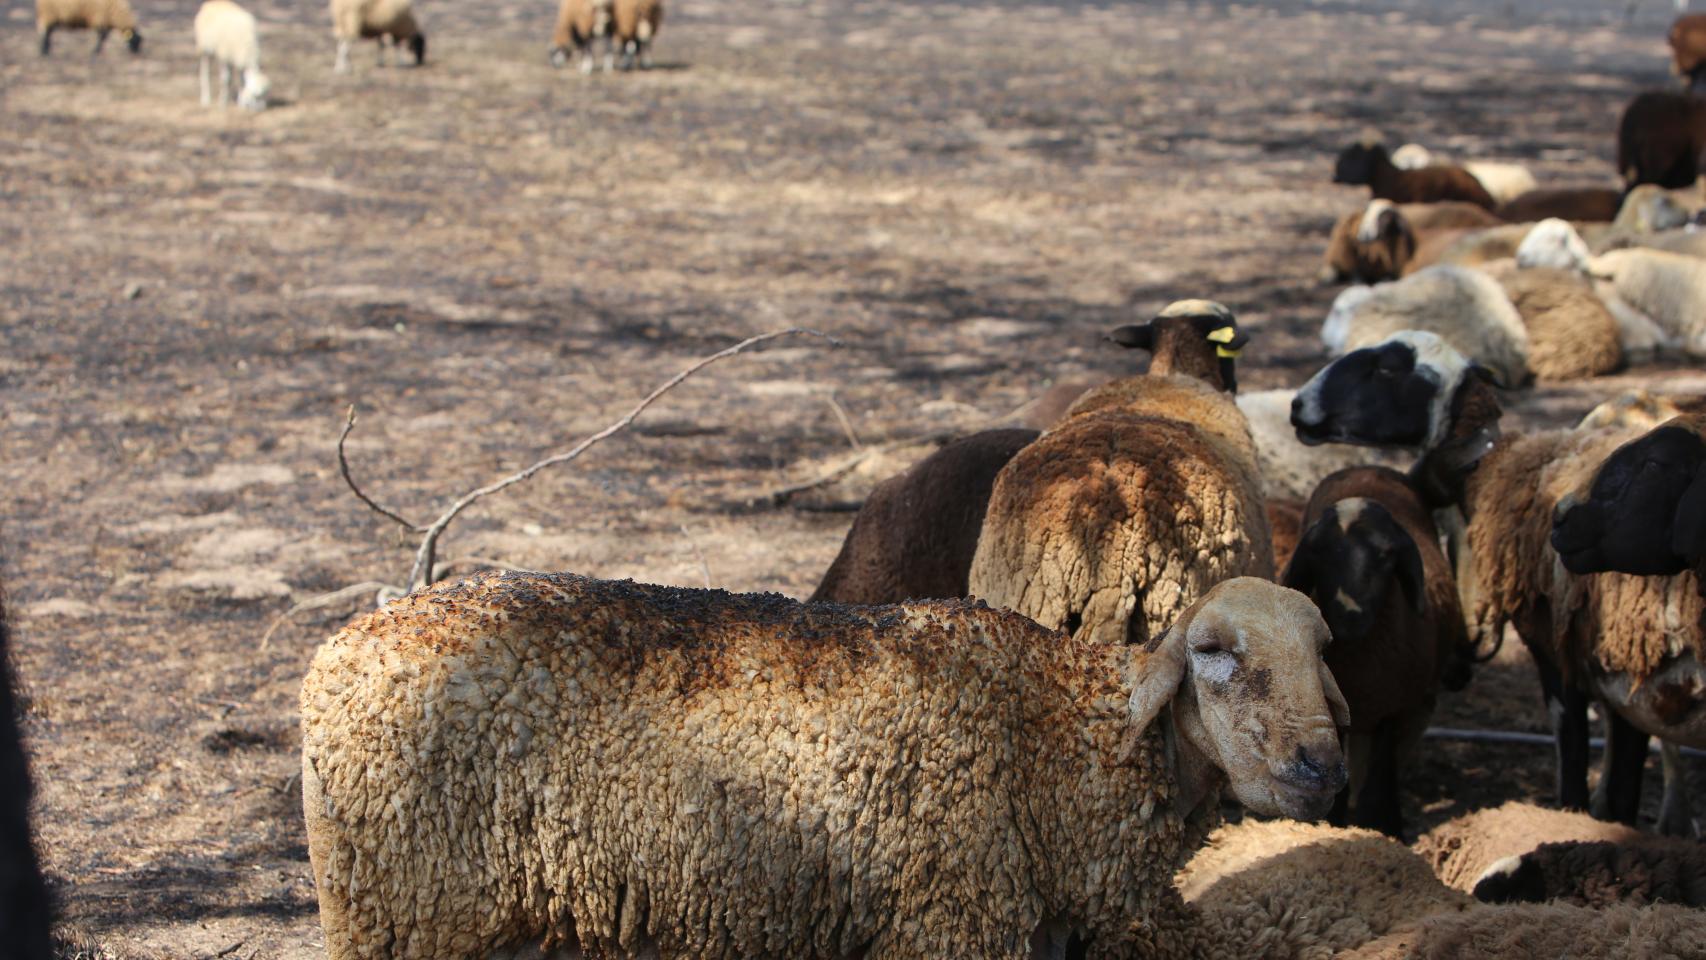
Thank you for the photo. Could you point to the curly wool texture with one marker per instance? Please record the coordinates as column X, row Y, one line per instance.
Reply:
column 519, row 758
column 1668, row 287
column 1307, row 891
column 1546, row 931
column 1461, row 850
column 1464, row 307
column 915, row 535
column 1571, row 335
column 1114, row 522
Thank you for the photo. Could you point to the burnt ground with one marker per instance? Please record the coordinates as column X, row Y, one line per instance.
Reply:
column 490, row 259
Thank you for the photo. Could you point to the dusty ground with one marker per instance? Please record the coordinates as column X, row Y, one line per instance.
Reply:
column 490, row 259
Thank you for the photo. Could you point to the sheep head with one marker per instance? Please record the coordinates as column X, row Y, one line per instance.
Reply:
column 1643, row 512
column 132, row 40
column 256, row 86
column 1198, row 338
column 1250, row 696
column 1358, row 162
column 1350, row 560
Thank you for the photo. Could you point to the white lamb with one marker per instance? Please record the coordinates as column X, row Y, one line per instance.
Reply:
column 225, row 35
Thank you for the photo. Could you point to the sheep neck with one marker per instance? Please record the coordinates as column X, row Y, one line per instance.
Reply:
column 1440, row 476
column 1180, row 348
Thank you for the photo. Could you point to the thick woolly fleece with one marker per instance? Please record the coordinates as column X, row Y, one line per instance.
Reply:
column 1571, row 334
column 1462, row 849
column 1548, row 932
column 524, row 758
column 1464, row 307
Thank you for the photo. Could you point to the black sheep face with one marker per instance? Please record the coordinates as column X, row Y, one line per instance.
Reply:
column 1376, row 396
column 1350, row 561
column 1644, row 513
column 1356, row 163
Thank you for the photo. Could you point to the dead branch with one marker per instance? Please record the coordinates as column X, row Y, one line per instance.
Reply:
column 320, row 602
column 343, row 466
column 846, row 421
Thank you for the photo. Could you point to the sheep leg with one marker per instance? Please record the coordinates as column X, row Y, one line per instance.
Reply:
column 1618, row 796
column 341, row 64
column 224, row 84
column 609, row 53
column 645, row 55
column 206, row 84
column 381, row 44
column 47, row 39
column 1676, row 813
column 1568, row 709
column 1378, row 803
column 100, row 40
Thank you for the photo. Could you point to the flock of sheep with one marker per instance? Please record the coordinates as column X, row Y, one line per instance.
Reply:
column 1179, row 590
column 227, row 37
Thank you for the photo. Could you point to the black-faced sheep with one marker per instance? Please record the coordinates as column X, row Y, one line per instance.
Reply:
column 381, row 21
column 915, row 535
column 579, row 24
column 1370, row 558
column 101, row 16
column 1146, row 495
column 226, row 37
column 1462, row 850
column 527, row 760
column 1368, row 163
column 24, row 906
column 1687, row 38
column 1660, row 139
column 1600, row 873
column 1464, row 307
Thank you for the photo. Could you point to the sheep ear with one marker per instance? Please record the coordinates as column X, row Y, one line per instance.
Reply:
column 1336, row 704
column 1134, row 336
column 1300, row 572
column 1410, row 576
column 1162, row 672
column 1688, row 530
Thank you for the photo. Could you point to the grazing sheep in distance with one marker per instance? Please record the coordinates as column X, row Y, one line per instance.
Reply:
column 1576, row 204
column 379, row 21
column 915, row 535
column 1367, row 162
column 1370, row 559
column 1165, row 465
column 1463, row 849
column 1544, row 932
column 522, row 761
column 1687, row 40
column 101, row 16
column 579, row 23
column 225, row 35
column 636, row 26
column 1660, row 139
column 1600, row 873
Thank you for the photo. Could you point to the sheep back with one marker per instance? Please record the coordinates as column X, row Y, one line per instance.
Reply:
column 517, row 758
column 85, row 14
column 227, row 32
column 1576, row 204
column 1114, row 522
column 367, row 19
column 1660, row 138
column 1461, row 850
column 1668, row 287
column 1463, row 307
column 1571, row 334
column 916, row 533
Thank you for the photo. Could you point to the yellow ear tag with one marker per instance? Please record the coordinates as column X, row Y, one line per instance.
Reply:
column 1223, row 336
column 1226, row 353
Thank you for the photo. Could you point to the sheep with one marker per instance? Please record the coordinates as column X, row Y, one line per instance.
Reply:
column 1143, row 497
column 1571, row 333
column 1687, row 38
column 579, row 23
column 1464, row 307
column 1600, row 873
column 636, row 26
column 1300, row 890
column 24, row 916
column 1503, row 180
column 1658, row 297
column 723, row 775
column 101, row 16
column 1579, row 204
column 1461, row 851
column 914, row 536
column 1291, row 470
column 1660, row 139
column 1380, row 242
column 1370, row 558
column 379, row 21
column 225, row 35
column 1366, row 162
column 1525, row 931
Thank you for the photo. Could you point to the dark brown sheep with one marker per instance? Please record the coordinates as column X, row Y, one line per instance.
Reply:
column 1687, row 39
column 1576, row 204
column 1601, row 873
column 1369, row 163
column 1660, row 139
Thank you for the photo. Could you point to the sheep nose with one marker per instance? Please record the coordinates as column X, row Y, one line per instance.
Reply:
column 1325, row 774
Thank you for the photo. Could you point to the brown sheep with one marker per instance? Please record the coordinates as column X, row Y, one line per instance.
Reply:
column 1660, row 139
column 1379, row 242
column 1571, row 333
column 915, row 535
column 579, row 24
column 101, row 16
column 636, row 26
column 1578, row 204
column 1368, row 163
column 1370, row 558
column 1687, row 40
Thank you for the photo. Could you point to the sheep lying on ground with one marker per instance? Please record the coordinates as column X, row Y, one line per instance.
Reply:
column 1381, row 241
column 1571, row 333
column 379, row 21
column 579, row 23
column 1521, row 932
column 527, row 759
column 1367, row 162
column 226, row 37
column 1461, row 851
column 915, row 535
column 101, row 16
column 1503, row 180
column 1687, row 38
column 1655, row 294
column 1370, row 558
column 1660, row 139
column 1146, row 494
column 636, row 25
column 1600, row 873
column 1577, row 204
column 1466, row 308
column 1300, row 890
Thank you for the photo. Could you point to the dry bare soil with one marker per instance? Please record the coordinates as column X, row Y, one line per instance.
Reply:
column 491, row 259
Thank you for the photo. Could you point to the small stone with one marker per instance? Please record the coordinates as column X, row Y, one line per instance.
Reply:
column 132, row 290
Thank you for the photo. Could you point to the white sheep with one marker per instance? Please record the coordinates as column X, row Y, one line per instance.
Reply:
column 524, row 761
column 1658, row 297
column 380, row 21
column 1464, row 307
column 1290, row 468
column 226, row 37
column 101, row 16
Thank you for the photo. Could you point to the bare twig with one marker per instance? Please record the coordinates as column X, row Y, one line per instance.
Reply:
column 846, row 422
column 343, row 465
column 320, row 602
column 704, row 567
